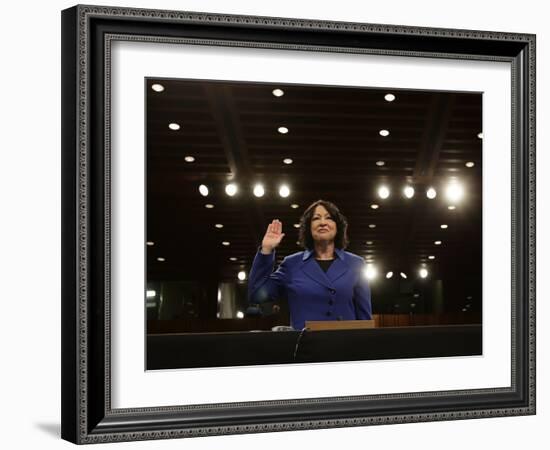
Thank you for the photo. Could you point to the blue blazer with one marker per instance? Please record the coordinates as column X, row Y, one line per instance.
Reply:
column 342, row 293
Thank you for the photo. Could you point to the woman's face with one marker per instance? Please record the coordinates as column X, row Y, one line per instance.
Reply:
column 323, row 226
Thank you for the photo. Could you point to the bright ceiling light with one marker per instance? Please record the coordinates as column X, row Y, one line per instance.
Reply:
column 151, row 293
column 209, row 206
column 241, row 275
column 480, row 135
column 203, row 189
column 231, row 189
column 403, row 275
column 174, row 126
column 423, row 272
column 389, row 275
column 408, row 191
column 278, row 92
column 451, row 207
column 384, row 133
column 282, row 130
column 232, row 259
column 150, row 243
column 296, row 225
column 444, row 226
column 470, row 164
column 226, row 243
column 454, row 192
column 389, row 97
column 294, row 206
column 380, row 163
column 371, row 225
column 157, row 87
column 259, row 190
column 374, row 206
column 437, row 242
column 161, row 259
column 288, row 161
column 240, row 315
column 431, row 257
column 284, row 191
column 189, row 159
column 369, row 242
column 383, row 192
column 370, row 272
column 219, row 225
column 431, row 193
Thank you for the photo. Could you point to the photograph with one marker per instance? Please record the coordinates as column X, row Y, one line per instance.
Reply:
column 277, row 224
column 309, row 209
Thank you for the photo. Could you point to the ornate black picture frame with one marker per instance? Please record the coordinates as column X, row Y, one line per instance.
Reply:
column 87, row 412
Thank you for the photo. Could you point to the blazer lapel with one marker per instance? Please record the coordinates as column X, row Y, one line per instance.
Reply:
column 312, row 269
column 337, row 268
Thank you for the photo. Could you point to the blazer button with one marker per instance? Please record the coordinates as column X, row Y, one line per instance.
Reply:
column 329, row 313
column 332, row 291
column 330, row 302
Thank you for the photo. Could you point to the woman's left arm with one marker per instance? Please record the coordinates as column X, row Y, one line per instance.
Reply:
column 361, row 295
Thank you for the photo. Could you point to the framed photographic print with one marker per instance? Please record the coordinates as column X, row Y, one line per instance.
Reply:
column 256, row 207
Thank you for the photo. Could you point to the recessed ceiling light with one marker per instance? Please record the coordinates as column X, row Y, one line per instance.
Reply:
column 284, row 191
column 161, row 259
column 380, row 163
column 259, row 190
column 157, row 87
column 231, row 189
column 189, row 159
column 389, row 275
column 470, row 164
column 389, row 97
column 240, row 315
column 423, row 273
column 372, row 225
column 431, row 257
column 226, row 243
column 232, row 259
column 241, row 275
column 278, row 92
column 174, row 126
column 383, row 192
column 294, row 206
column 451, row 207
column 369, row 242
column 374, row 206
column 209, row 206
column 454, row 191
column 384, row 133
column 288, row 161
column 437, row 242
column 219, row 225
column 480, row 135
column 151, row 293
column 403, row 275
column 370, row 272
column 203, row 189
column 282, row 130
column 150, row 243
column 296, row 225
column 444, row 226
column 431, row 193
column 408, row 191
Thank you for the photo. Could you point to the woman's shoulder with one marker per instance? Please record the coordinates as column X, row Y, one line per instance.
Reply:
column 353, row 257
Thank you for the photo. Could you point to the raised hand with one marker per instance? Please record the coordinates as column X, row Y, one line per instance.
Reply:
column 273, row 236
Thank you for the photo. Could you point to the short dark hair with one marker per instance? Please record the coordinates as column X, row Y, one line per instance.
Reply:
column 305, row 238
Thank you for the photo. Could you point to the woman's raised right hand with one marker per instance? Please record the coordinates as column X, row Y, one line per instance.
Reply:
column 273, row 236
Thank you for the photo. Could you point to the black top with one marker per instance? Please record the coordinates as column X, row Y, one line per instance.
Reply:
column 325, row 263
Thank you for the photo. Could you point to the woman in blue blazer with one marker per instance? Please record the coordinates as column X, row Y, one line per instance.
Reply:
column 324, row 282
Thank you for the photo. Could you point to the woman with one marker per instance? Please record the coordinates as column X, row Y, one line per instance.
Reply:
column 324, row 282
